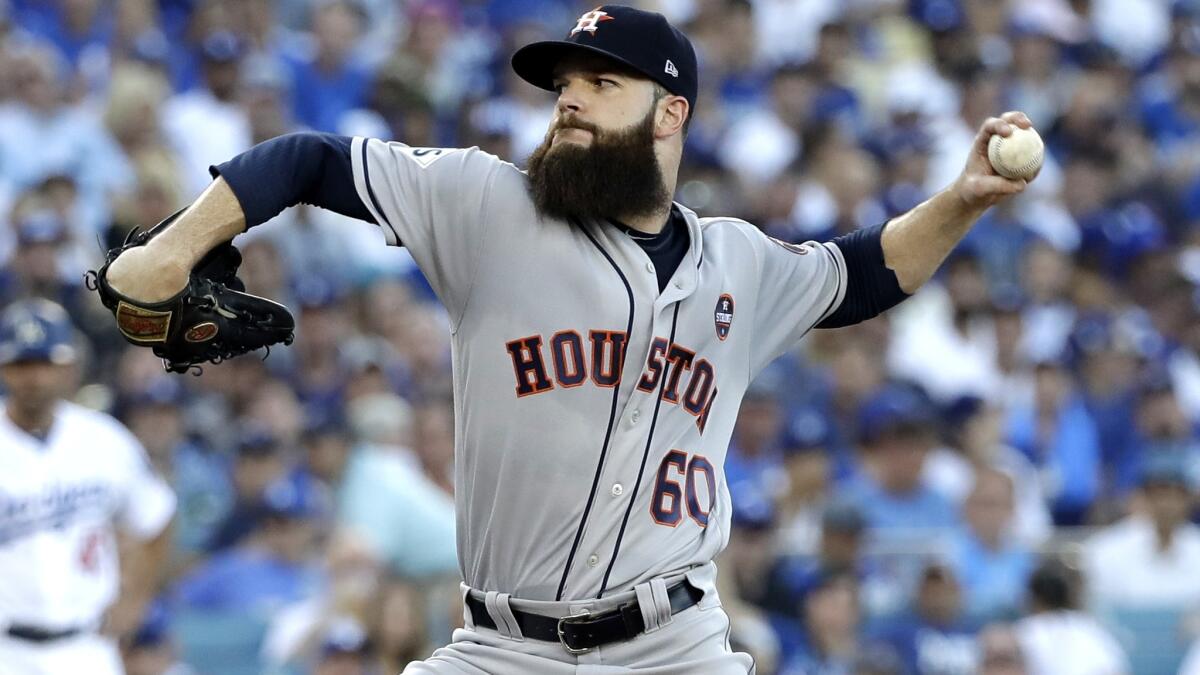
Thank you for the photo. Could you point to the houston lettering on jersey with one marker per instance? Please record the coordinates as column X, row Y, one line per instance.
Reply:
column 567, row 360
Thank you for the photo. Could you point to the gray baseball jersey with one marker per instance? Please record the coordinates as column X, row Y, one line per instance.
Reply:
column 593, row 412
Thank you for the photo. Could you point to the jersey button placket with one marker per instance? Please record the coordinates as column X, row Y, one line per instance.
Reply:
column 618, row 489
column 593, row 560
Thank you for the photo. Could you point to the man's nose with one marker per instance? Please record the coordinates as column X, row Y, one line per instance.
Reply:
column 569, row 101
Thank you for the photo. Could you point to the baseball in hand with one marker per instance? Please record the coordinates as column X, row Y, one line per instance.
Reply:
column 1018, row 155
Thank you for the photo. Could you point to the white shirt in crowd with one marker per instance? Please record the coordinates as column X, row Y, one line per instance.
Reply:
column 1069, row 643
column 1125, row 567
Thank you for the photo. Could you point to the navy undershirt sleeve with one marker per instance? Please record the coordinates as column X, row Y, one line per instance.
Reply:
column 301, row 168
column 871, row 288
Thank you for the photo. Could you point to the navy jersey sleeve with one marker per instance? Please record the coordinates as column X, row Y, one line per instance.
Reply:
column 871, row 288
column 300, row 168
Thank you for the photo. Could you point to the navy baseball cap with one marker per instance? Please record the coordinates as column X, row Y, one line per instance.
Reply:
column 643, row 41
column 36, row 330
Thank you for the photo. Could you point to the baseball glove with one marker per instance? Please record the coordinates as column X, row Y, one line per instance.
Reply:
column 210, row 320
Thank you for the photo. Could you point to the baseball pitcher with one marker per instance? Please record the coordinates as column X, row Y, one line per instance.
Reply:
column 602, row 338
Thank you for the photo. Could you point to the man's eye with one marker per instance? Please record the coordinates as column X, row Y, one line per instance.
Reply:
column 605, row 82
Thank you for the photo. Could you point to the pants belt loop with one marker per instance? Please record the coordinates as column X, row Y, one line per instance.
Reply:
column 501, row 612
column 654, row 604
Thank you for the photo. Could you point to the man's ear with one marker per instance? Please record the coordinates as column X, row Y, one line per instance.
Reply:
column 673, row 112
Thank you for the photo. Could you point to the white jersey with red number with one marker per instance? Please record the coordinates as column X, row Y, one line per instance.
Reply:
column 60, row 499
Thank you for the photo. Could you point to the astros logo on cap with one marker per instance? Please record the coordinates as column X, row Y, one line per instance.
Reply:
column 590, row 21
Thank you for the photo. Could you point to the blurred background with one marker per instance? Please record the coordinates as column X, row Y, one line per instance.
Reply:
column 999, row 476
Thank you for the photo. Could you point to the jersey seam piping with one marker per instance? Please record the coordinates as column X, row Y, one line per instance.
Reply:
column 839, row 289
column 371, row 194
column 612, row 414
column 662, row 385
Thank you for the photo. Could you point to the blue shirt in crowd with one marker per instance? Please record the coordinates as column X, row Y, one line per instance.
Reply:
column 247, row 579
column 1070, row 461
column 993, row 582
column 320, row 98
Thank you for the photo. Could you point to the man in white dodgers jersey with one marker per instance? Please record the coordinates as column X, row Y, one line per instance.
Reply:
column 70, row 477
column 602, row 335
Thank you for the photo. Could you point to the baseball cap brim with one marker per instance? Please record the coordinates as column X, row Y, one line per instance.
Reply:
column 59, row 355
column 535, row 62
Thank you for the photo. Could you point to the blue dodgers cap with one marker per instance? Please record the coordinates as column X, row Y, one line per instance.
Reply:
column 290, row 498
column 643, row 41
column 36, row 330
column 221, row 46
column 345, row 636
column 41, row 227
column 161, row 391
column 808, row 430
column 894, row 409
column 752, row 510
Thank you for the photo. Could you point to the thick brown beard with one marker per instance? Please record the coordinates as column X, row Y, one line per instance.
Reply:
column 617, row 177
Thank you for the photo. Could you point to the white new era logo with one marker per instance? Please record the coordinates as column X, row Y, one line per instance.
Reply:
column 671, row 69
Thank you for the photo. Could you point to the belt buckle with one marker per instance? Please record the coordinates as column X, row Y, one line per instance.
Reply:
column 582, row 617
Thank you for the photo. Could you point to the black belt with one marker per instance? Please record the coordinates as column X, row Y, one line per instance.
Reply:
column 580, row 633
column 36, row 634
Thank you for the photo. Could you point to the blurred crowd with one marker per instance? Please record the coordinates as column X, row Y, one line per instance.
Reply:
column 999, row 476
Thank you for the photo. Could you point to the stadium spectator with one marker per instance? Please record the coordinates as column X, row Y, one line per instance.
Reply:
column 345, row 650
column 751, row 587
column 1058, row 638
column 992, row 565
column 832, row 628
column 937, row 638
column 151, row 650
column 898, row 432
column 1149, row 559
column 981, row 438
column 808, row 467
column 1162, row 428
column 1000, row 651
column 329, row 83
column 433, row 442
column 206, row 124
column 406, row 519
column 954, row 330
column 260, row 461
column 1059, row 436
column 754, row 456
column 840, row 548
column 1108, row 363
column 199, row 476
column 43, row 135
column 397, row 629
column 271, row 568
